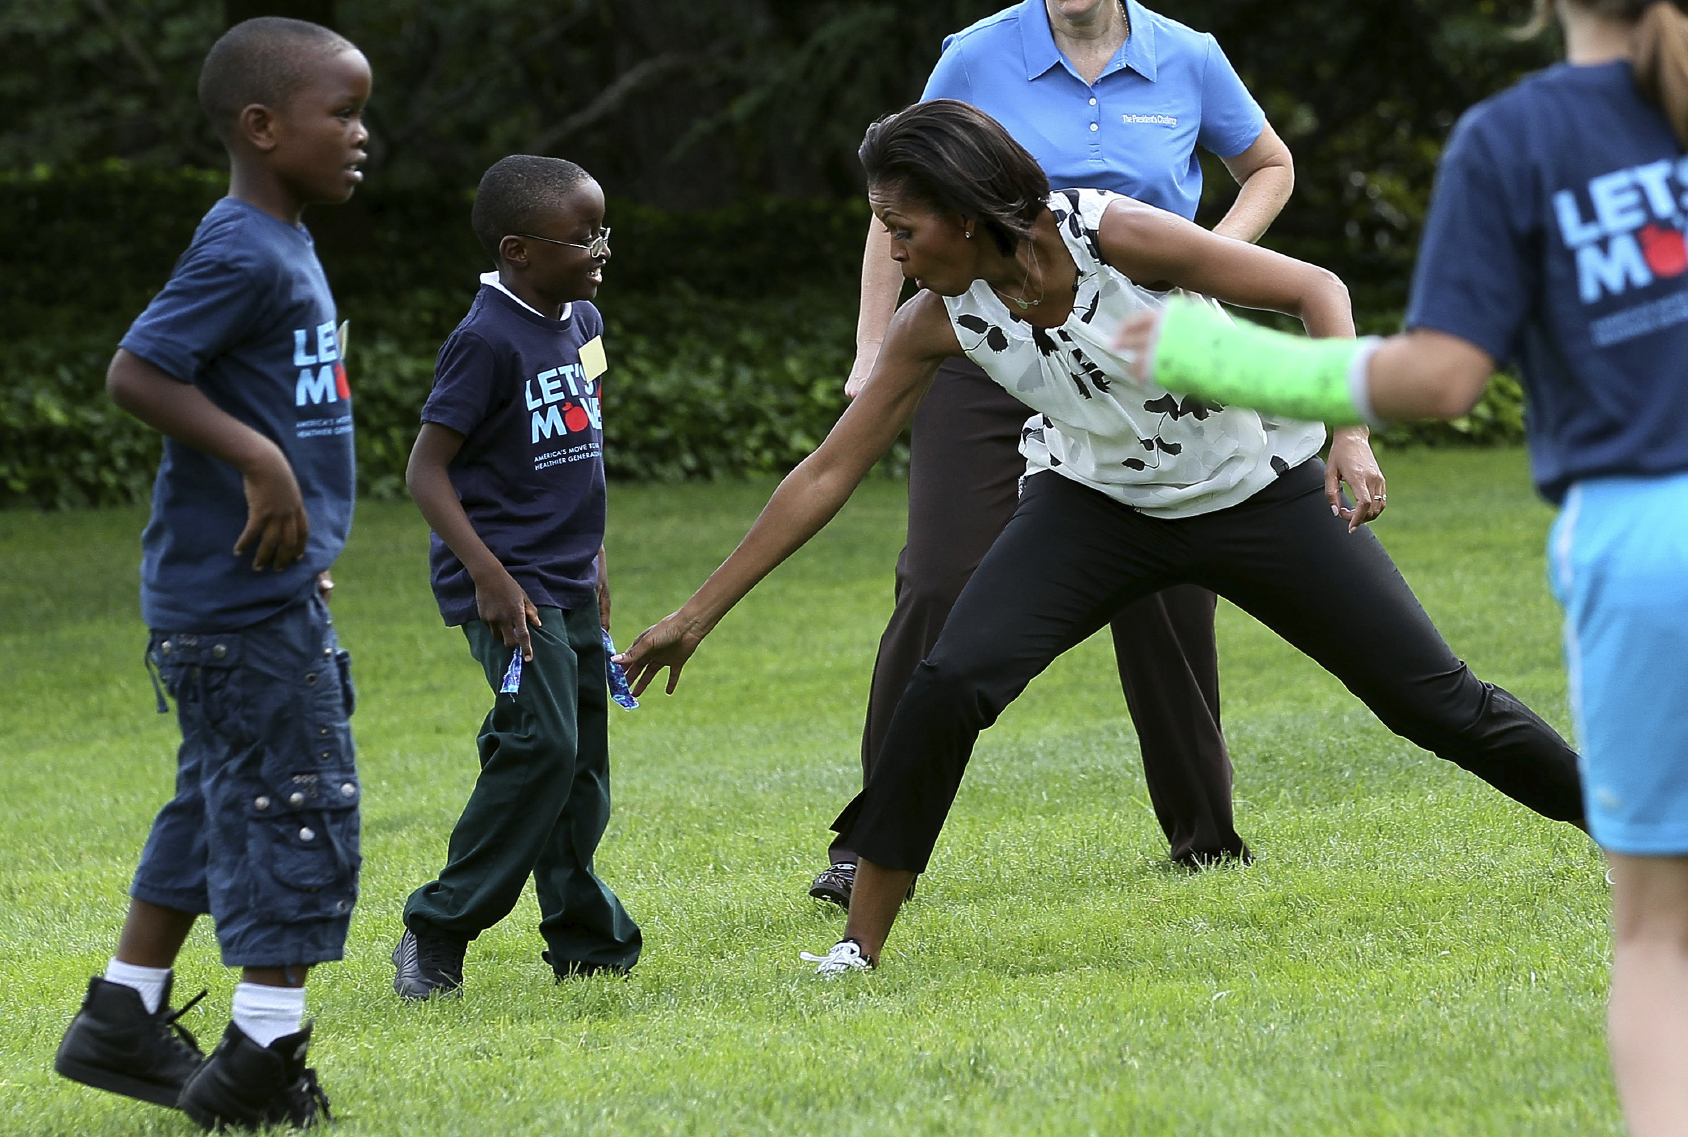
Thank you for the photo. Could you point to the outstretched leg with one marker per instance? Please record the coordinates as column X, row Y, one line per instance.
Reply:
column 963, row 479
column 1069, row 560
column 878, row 897
column 1338, row 597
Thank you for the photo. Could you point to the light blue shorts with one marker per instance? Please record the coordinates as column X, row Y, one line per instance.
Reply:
column 1618, row 557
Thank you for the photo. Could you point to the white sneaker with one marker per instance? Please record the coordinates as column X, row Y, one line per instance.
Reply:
column 846, row 955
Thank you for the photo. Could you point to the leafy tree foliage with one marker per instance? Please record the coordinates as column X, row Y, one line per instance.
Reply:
column 1365, row 94
column 676, row 105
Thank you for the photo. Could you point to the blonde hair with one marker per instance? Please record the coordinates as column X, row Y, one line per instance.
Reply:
column 1660, row 46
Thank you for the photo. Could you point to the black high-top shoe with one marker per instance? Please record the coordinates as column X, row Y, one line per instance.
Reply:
column 428, row 965
column 114, row 1043
column 247, row 1086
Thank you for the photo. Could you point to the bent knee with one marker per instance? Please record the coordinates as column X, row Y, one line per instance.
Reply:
column 956, row 686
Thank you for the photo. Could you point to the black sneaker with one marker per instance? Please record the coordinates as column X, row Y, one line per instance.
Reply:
column 428, row 965
column 839, row 880
column 835, row 884
column 114, row 1043
column 247, row 1086
column 580, row 968
column 1220, row 858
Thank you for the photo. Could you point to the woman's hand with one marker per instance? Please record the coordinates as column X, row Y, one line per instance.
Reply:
column 668, row 643
column 1352, row 461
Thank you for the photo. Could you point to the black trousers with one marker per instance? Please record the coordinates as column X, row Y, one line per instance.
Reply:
column 963, row 483
column 1071, row 558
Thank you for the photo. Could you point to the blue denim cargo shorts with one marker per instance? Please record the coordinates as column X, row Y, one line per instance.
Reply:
column 263, row 830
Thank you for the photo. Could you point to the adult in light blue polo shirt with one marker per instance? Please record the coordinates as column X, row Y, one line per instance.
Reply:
column 1106, row 95
column 1134, row 128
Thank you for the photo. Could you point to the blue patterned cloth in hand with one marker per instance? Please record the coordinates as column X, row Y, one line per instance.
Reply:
column 512, row 675
column 619, row 690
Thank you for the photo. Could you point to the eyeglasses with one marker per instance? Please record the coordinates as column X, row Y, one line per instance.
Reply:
column 599, row 246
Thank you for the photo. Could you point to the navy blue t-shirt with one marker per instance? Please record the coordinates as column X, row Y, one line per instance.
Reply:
column 1555, row 240
column 248, row 319
column 523, row 392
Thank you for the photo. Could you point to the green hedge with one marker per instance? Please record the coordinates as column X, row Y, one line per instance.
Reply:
column 63, row 444
column 729, row 331
column 697, row 389
column 719, row 388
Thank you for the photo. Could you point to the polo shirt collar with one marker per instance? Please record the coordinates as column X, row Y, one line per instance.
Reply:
column 1139, row 51
column 491, row 280
column 1041, row 53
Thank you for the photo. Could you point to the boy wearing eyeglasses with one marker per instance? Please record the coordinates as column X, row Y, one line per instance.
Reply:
column 509, row 471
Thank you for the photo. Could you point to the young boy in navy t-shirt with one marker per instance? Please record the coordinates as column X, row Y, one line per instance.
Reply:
column 509, row 471
column 237, row 363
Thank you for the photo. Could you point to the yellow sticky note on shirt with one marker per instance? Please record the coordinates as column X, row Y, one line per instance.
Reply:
column 592, row 359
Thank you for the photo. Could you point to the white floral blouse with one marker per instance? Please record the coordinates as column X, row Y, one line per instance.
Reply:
column 1166, row 456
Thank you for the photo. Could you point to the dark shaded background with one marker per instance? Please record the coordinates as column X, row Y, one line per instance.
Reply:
column 723, row 130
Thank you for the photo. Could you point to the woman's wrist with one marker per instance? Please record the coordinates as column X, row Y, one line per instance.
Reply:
column 694, row 618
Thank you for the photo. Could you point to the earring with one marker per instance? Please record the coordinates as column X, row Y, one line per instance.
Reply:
column 968, row 234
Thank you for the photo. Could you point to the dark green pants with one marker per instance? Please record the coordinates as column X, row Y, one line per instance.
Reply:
column 541, row 803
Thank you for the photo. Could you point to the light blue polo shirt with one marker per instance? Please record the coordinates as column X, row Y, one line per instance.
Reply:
column 1167, row 90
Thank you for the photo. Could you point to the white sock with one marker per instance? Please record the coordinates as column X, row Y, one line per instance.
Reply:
column 149, row 981
column 265, row 1014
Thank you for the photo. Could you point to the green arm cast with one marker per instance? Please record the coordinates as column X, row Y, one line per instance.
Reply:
column 1201, row 353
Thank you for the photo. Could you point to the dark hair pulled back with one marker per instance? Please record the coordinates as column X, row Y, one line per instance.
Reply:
column 958, row 159
column 1661, row 50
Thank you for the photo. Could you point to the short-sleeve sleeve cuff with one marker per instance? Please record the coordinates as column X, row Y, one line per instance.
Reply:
column 1460, row 323
column 1242, row 137
column 209, row 304
column 168, row 357
column 1232, row 119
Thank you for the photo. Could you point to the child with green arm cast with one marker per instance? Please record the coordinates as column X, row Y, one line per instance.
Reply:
column 1556, row 241
column 509, row 471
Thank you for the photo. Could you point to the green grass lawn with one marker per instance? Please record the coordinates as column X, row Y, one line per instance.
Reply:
column 1412, row 954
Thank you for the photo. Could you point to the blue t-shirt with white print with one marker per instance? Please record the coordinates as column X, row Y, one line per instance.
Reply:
column 1555, row 241
column 523, row 391
column 246, row 317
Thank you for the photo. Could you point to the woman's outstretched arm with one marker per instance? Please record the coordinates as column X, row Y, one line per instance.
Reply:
column 1146, row 243
column 1150, row 244
column 919, row 339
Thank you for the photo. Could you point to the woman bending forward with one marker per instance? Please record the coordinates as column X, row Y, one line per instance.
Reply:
column 1128, row 490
